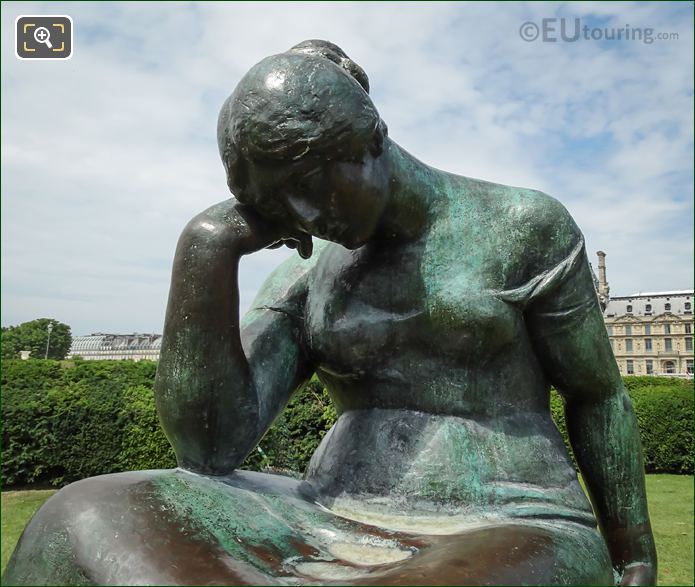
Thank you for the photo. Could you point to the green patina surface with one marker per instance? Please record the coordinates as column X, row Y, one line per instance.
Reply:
column 236, row 519
column 670, row 504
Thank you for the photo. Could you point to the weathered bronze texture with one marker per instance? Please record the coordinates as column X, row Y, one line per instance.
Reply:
column 437, row 310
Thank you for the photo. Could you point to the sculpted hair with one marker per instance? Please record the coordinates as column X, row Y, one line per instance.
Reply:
column 336, row 55
column 309, row 102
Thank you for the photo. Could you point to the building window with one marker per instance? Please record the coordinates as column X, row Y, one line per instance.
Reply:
column 688, row 328
column 689, row 366
column 668, row 344
column 650, row 366
column 609, row 330
column 648, row 309
column 667, row 307
column 667, row 329
column 629, row 309
column 630, row 367
column 648, row 345
column 669, row 367
column 689, row 344
column 647, row 329
column 688, row 307
column 628, row 331
column 628, row 345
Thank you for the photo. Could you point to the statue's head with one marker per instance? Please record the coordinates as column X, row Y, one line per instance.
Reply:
column 303, row 144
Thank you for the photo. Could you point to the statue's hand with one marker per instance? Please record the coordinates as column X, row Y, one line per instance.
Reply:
column 639, row 574
column 633, row 553
column 256, row 233
column 241, row 230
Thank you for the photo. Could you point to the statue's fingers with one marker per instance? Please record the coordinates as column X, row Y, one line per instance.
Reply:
column 306, row 246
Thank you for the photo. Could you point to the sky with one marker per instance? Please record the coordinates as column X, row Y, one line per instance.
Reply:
column 107, row 155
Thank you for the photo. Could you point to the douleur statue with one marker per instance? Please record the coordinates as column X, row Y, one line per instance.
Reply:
column 437, row 310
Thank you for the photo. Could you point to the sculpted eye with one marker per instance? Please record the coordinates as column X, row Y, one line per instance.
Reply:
column 309, row 180
column 356, row 159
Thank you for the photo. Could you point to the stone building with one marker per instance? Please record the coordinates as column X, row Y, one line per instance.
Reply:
column 100, row 346
column 651, row 333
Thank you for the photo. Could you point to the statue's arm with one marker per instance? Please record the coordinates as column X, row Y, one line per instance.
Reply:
column 569, row 335
column 218, row 386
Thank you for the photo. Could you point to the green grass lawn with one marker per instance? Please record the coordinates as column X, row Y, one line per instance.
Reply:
column 671, row 510
column 17, row 509
column 670, row 505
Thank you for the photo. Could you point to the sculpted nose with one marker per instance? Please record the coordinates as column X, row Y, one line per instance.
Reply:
column 308, row 216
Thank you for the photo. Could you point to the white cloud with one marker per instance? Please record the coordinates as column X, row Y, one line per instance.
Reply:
column 106, row 156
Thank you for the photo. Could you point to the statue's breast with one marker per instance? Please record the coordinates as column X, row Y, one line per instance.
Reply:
column 372, row 309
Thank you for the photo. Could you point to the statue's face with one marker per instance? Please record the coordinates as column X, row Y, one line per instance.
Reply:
column 340, row 201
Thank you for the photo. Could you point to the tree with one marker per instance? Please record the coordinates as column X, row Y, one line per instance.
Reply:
column 33, row 336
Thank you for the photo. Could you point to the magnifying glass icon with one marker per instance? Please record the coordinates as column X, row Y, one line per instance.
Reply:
column 42, row 35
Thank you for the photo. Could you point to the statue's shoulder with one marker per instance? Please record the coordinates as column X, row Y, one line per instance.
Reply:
column 518, row 203
column 532, row 220
column 288, row 284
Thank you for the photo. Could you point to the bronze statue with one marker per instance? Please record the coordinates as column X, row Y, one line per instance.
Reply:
column 438, row 313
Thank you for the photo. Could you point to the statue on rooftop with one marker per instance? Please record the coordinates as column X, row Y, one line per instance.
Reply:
column 437, row 309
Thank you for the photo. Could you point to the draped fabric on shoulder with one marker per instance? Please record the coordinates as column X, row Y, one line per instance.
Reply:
column 565, row 324
column 547, row 281
column 561, row 300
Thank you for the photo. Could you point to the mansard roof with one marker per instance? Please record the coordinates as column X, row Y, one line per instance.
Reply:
column 647, row 304
column 115, row 342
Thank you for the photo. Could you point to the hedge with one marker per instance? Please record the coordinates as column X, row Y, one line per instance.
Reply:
column 70, row 420
column 64, row 421
column 664, row 410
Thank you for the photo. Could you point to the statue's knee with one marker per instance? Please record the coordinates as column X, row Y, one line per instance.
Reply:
column 81, row 505
column 64, row 540
column 43, row 554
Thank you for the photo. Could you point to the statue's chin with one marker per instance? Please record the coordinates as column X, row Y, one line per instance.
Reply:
column 350, row 245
